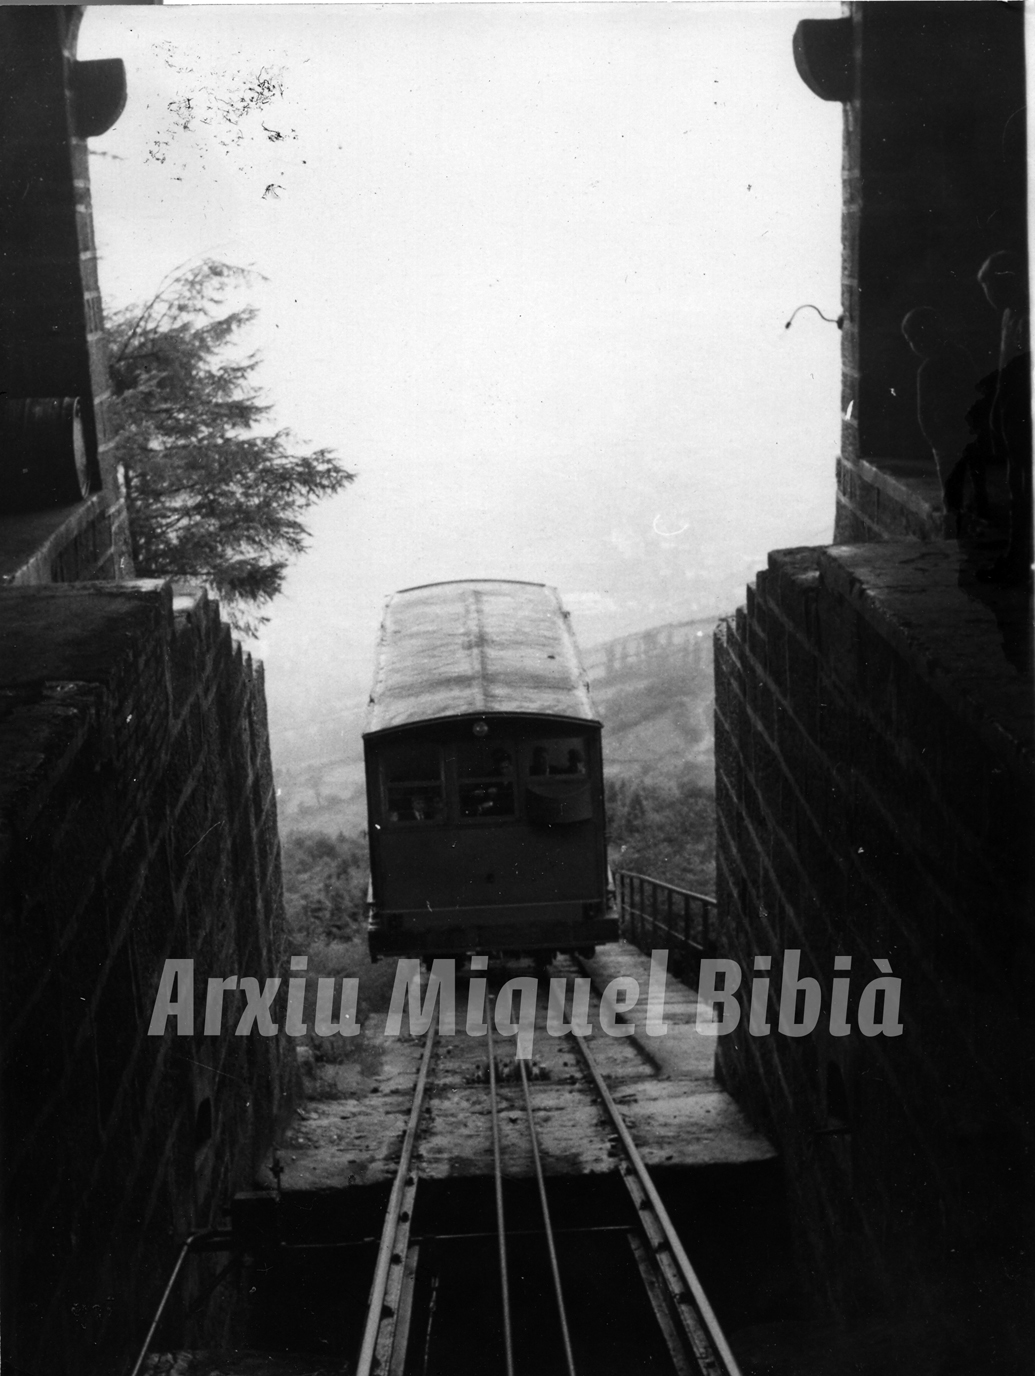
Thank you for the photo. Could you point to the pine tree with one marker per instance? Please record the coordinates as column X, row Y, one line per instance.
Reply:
column 215, row 495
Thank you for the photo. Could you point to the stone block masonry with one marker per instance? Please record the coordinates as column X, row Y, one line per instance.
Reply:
column 137, row 815
column 137, row 822
column 874, row 752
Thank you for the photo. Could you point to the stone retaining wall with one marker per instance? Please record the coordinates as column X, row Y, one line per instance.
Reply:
column 874, row 785
column 137, row 822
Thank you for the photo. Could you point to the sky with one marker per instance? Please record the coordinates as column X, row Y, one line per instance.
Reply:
column 526, row 268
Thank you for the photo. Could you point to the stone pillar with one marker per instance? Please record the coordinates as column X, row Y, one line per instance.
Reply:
column 935, row 180
column 51, row 324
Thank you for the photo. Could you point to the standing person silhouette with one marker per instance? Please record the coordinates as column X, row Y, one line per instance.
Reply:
column 945, row 390
column 1003, row 278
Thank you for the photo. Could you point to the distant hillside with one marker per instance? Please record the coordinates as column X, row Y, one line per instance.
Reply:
column 655, row 693
column 318, row 764
column 653, row 690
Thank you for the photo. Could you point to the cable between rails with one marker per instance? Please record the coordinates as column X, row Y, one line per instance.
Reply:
column 561, row 1313
column 498, row 1173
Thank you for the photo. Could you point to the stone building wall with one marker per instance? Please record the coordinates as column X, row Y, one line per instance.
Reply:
column 934, row 176
column 137, row 823
column 52, row 340
column 937, row 181
column 875, row 749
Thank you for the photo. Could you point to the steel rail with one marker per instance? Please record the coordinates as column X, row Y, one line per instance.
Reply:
column 715, row 1355
column 397, row 1360
column 393, row 1217
column 497, row 1168
column 161, row 1305
column 561, row 1312
column 655, row 1289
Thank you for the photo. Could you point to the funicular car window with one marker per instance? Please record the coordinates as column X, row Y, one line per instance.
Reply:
column 557, row 785
column 485, row 779
column 561, row 755
column 412, row 776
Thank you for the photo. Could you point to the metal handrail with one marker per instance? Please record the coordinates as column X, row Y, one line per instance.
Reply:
column 649, row 918
column 661, row 884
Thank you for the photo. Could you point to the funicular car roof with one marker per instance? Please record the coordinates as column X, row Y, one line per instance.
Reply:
column 471, row 647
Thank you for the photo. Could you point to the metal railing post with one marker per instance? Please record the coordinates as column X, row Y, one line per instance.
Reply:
column 642, row 921
column 687, row 939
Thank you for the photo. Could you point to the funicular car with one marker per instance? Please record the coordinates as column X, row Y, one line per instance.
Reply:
column 484, row 778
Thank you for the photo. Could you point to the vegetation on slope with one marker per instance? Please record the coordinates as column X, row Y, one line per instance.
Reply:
column 664, row 830
column 325, row 889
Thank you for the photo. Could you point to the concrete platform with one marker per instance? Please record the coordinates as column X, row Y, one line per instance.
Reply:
column 350, row 1129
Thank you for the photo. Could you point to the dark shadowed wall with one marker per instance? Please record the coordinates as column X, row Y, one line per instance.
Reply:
column 137, row 813
column 51, row 324
column 935, row 180
column 137, row 823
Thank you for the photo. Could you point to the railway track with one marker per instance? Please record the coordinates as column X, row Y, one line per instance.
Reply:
column 541, row 1314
